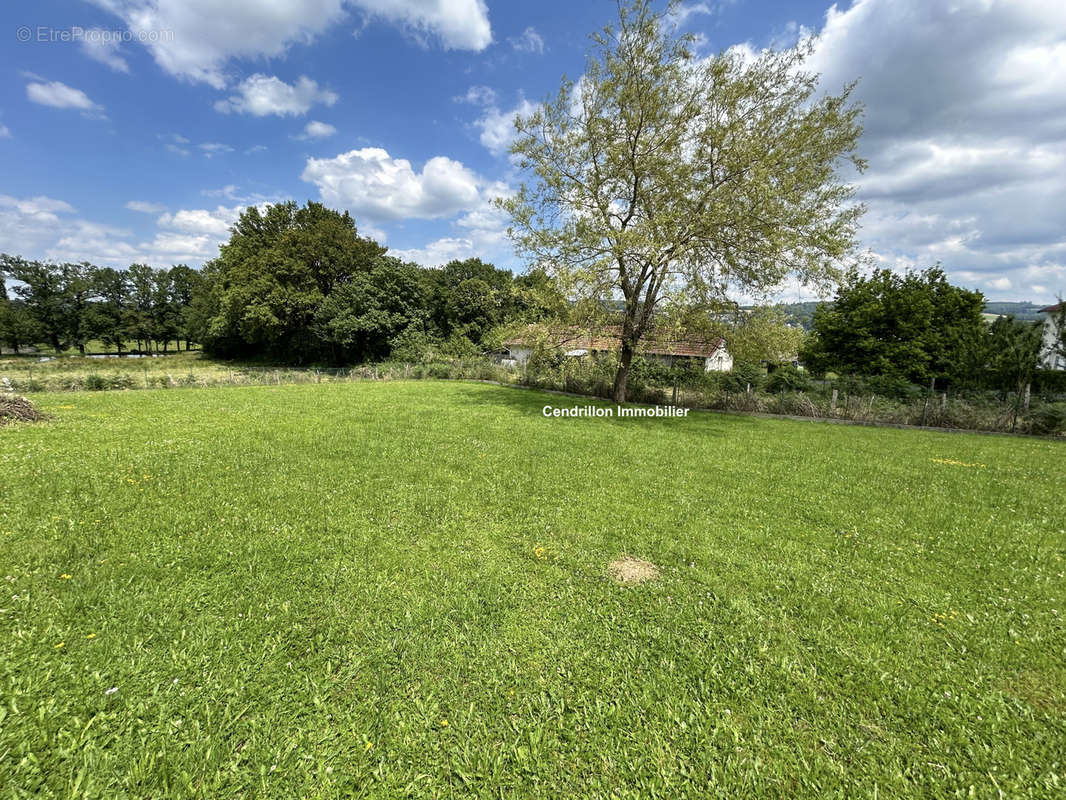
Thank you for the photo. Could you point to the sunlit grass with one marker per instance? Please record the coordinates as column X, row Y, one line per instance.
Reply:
column 400, row 589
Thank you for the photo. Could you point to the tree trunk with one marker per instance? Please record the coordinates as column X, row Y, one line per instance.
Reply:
column 622, row 375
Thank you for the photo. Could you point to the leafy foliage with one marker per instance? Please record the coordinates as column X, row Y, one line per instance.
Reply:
column 915, row 326
column 662, row 176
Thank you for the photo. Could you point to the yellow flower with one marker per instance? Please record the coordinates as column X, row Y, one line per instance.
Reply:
column 60, row 646
column 444, row 723
column 957, row 463
column 369, row 747
column 65, row 577
column 91, row 636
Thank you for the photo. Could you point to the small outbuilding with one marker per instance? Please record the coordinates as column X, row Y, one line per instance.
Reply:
column 711, row 353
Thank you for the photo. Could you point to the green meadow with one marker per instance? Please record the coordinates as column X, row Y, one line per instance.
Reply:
column 400, row 589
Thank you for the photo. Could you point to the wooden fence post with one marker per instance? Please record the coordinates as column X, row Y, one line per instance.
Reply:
column 833, row 401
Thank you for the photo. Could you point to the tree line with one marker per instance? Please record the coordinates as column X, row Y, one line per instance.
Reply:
column 916, row 328
column 293, row 284
column 67, row 305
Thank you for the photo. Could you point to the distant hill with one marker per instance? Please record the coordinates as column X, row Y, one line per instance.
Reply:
column 1023, row 311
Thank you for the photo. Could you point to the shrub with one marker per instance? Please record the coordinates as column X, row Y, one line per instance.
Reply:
column 1048, row 420
column 787, row 378
column 742, row 375
column 414, row 345
column 893, row 387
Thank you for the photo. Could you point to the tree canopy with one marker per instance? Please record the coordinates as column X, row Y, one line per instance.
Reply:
column 915, row 326
column 661, row 174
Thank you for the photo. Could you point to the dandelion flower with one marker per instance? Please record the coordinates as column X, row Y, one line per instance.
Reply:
column 369, row 747
column 444, row 723
column 91, row 636
column 65, row 577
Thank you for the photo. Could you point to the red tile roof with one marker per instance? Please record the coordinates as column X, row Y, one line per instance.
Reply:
column 610, row 339
column 1051, row 309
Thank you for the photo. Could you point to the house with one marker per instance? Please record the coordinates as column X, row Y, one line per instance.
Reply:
column 1049, row 358
column 669, row 350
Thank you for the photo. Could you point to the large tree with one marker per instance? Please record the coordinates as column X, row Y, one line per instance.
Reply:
column 275, row 272
column 662, row 175
column 915, row 326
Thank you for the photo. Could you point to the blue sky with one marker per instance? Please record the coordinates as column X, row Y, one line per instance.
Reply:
column 145, row 149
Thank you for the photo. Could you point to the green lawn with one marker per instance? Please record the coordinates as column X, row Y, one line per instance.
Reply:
column 399, row 589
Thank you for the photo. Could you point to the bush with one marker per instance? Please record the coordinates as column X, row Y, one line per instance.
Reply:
column 1049, row 382
column 743, row 374
column 100, row 383
column 413, row 345
column 1048, row 420
column 787, row 378
column 893, row 387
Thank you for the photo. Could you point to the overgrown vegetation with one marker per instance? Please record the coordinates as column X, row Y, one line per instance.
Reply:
column 748, row 387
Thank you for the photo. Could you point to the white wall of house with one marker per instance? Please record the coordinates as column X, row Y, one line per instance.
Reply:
column 519, row 353
column 1049, row 359
column 720, row 361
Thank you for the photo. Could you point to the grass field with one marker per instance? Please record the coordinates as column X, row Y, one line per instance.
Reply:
column 400, row 590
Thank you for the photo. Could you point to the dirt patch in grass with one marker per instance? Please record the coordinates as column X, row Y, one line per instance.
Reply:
column 628, row 570
column 17, row 409
column 1038, row 691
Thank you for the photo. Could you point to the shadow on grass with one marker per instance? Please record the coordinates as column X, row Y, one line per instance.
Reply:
column 528, row 402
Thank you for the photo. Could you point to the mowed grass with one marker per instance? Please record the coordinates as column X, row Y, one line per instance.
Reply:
column 400, row 590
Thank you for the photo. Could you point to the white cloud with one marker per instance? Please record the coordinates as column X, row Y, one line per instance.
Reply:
column 438, row 252
column 202, row 221
column 478, row 96
column 228, row 191
column 372, row 184
column 481, row 232
column 965, row 132
column 145, row 207
column 686, row 11
column 38, row 208
column 497, row 127
column 175, row 143
column 59, row 95
column 317, row 130
column 5, row 132
column 529, row 41
column 211, row 149
column 100, row 46
column 456, row 24
column 261, row 95
column 44, row 227
column 196, row 39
